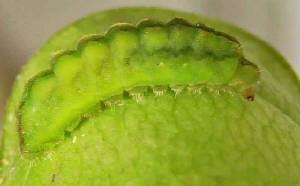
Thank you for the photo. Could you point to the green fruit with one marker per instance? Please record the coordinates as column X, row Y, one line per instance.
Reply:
column 161, row 102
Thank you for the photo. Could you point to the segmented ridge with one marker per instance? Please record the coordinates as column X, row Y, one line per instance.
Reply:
column 138, row 91
column 142, row 24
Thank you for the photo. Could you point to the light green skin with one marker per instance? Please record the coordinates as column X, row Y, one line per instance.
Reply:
column 127, row 62
column 193, row 138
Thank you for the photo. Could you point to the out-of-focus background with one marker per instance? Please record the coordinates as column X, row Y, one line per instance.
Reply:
column 26, row 24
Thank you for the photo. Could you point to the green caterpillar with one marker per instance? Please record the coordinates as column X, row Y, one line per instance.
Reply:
column 161, row 102
column 130, row 59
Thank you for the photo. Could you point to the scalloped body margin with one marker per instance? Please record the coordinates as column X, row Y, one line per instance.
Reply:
column 151, row 54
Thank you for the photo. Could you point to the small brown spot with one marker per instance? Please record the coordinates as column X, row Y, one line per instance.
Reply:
column 250, row 98
column 53, row 177
column 248, row 93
